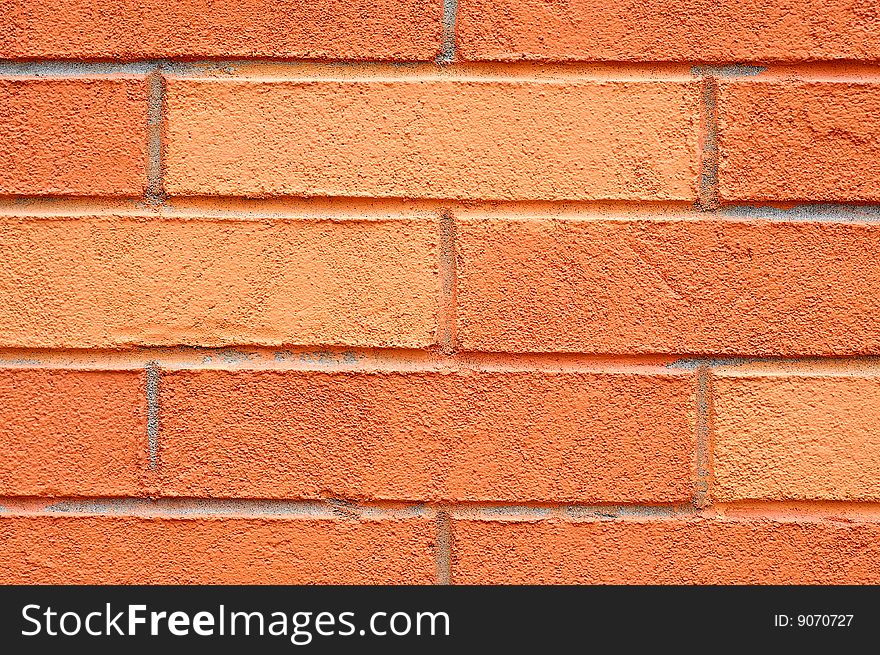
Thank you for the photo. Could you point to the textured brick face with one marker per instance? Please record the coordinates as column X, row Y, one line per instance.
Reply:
column 520, row 437
column 799, row 141
column 110, row 29
column 54, row 550
column 413, row 291
column 665, row 551
column 72, row 433
column 657, row 30
column 77, row 136
column 113, row 281
column 668, row 286
column 796, row 437
column 434, row 139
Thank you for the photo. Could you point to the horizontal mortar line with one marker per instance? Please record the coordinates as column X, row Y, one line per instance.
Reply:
column 538, row 511
column 69, row 68
column 341, row 358
column 346, row 209
column 214, row 67
column 342, row 207
column 772, row 68
column 322, row 358
column 196, row 507
column 770, row 508
column 817, row 212
column 611, row 510
column 841, row 70
column 816, row 71
column 162, row 506
column 193, row 508
column 459, row 77
column 788, row 365
column 728, row 70
column 330, row 70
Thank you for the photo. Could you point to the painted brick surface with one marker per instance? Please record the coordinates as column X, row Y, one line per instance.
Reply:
column 127, row 281
column 110, row 29
column 618, row 30
column 72, row 433
column 799, row 141
column 796, row 437
column 668, row 286
column 474, row 436
column 665, row 551
column 52, row 550
column 73, row 136
column 520, row 140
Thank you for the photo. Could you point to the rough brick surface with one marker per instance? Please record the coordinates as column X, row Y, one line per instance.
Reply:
column 799, row 437
column 333, row 29
column 659, row 30
column 129, row 550
column 498, row 436
column 433, row 139
column 668, row 286
column 72, row 433
column 803, row 141
column 73, row 136
column 113, row 281
column 665, row 551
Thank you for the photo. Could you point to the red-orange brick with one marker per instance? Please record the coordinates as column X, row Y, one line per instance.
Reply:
column 665, row 30
column 796, row 437
column 492, row 436
column 72, row 433
column 119, row 29
column 128, row 550
column 713, row 286
column 665, row 551
column 76, row 282
column 799, row 141
column 433, row 138
column 74, row 136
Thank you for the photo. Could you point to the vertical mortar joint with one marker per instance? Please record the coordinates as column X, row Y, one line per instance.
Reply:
column 702, row 463
column 153, row 375
column 444, row 548
column 155, row 194
column 447, row 42
column 709, row 197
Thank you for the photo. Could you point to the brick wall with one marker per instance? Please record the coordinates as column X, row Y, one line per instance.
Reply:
column 389, row 291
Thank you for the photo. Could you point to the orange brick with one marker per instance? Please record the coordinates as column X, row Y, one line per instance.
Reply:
column 117, row 29
column 119, row 281
column 128, row 550
column 796, row 437
column 472, row 435
column 72, row 433
column 80, row 137
column 665, row 551
column 663, row 30
column 430, row 138
column 811, row 141
column 666, row 286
